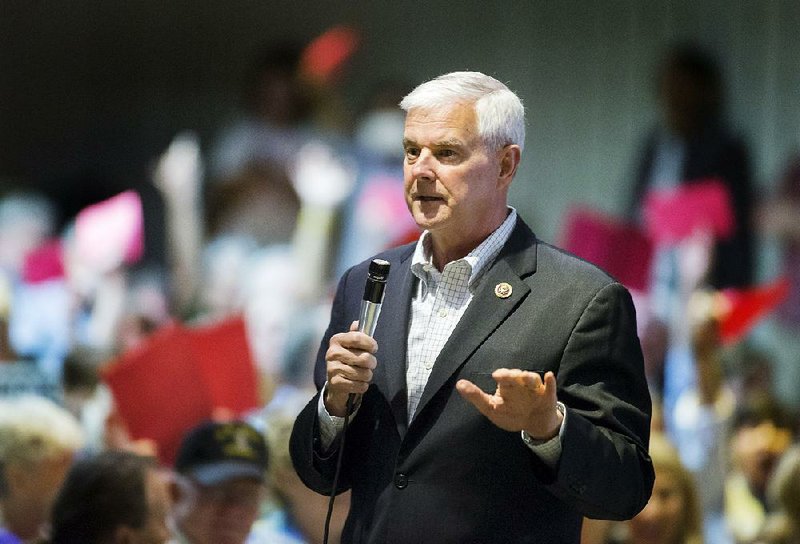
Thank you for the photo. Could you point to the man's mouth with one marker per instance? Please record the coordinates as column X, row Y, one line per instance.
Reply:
column 425, row 198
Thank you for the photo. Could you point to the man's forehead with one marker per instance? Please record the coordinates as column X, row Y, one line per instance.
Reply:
column 457, row 124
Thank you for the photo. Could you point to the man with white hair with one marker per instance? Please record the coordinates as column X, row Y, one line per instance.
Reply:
column 38, row 440
column 503, row 395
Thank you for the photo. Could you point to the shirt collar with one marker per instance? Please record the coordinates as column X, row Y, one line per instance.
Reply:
column 477, row 259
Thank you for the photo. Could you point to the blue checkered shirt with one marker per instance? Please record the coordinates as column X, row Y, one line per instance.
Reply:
column 439, row 301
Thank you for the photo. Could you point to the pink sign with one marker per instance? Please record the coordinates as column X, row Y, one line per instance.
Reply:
column 619, row 248
column 674, row 214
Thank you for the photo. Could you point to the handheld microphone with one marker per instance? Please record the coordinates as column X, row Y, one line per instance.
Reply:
column 373, row 296
column 371, row 304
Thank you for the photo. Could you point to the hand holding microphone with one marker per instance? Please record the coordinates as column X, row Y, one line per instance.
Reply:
column 350, row 357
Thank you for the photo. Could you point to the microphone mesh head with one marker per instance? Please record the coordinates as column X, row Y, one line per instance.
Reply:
column 378, row 270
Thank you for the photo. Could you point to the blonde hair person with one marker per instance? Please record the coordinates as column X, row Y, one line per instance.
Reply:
column 783, row 491
column 38, row 440
column 672, row 516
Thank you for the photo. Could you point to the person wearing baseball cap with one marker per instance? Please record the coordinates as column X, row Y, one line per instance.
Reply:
column 219, row 485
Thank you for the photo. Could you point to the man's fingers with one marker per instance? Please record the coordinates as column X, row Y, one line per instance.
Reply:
column 550, row 381
column 471, row 392
column 511, row 378
column 344, row 385
column 354, row 340
column 348, row 378
column 358, row 358
column 351, row 373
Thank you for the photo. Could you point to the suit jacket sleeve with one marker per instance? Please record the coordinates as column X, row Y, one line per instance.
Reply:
column 604, row 469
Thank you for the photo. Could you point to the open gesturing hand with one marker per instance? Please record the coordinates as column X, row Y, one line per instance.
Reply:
column 522, row 401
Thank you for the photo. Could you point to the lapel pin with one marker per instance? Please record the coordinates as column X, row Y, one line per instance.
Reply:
column 502, row 290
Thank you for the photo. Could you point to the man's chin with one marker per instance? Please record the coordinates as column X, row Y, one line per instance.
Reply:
column 429, row 220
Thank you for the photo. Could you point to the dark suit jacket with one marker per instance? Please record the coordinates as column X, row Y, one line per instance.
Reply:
column 450, row 475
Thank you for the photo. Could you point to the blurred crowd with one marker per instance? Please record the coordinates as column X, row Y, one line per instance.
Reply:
column 259, row 224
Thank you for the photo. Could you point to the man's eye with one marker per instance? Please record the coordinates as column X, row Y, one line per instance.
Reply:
column 412, row 152
column 446, row 153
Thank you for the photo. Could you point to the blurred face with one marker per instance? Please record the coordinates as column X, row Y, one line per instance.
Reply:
column 682, row 99
column 757, row 451
column 453, row 183
column 662, row 520
column 220, row 514
column 32, row 489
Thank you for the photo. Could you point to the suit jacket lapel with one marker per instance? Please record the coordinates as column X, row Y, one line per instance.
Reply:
column 391, row 335
column 486, row 311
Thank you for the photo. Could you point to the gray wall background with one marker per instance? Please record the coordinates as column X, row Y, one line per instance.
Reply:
column 98, row 88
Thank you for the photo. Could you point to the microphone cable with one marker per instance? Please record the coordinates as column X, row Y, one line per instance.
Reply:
column 339, row 456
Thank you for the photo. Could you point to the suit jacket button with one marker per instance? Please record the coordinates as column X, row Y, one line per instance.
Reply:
column 400, row 480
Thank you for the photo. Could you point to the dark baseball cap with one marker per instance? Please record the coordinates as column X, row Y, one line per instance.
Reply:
column 215, row 452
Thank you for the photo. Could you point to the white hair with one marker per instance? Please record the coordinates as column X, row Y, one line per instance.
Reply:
column 501, row 116
column 34, row 429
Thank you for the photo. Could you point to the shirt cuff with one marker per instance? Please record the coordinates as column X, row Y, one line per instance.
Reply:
column 549, row 451
column 329, row 426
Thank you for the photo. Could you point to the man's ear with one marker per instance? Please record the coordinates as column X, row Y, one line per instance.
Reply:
column 182, row 496
column 510, row 157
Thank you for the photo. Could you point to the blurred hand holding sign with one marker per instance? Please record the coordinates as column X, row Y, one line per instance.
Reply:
column 110, row 233
column 106, row 235
column 179, row 174
column 180, row 377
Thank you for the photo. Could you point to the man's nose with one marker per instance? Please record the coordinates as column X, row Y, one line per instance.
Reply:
column 423, row 166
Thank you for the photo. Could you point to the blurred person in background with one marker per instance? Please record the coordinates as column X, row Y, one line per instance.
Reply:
column 113, row 497
column 27, row 221
column 38, row 441
column 691, row 143
column 673, row 515
column 762, row 430
column 259, row 203
column 293, row 513
column 269, row 277
column 276, row 109
column 778, row 217
column 219, row 488
column 700, row 426
column 783, row 492
column 375, row 216
column 76, row 292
